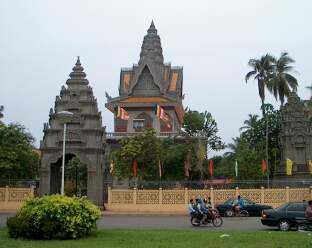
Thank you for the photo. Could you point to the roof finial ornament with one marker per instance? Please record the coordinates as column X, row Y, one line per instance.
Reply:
column 152, row 29
column 78, row 61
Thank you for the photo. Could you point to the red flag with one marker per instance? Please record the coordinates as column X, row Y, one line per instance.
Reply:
column 264, row 167
column 211, row 167
column 186, row 169
column 135, row 168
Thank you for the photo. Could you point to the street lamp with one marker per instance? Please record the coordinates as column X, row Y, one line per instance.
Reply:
column 64, row 117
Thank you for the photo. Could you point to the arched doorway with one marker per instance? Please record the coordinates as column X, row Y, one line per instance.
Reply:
column 75, row 176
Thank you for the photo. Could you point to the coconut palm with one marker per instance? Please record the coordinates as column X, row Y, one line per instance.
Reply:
column 262, row 70
column 250, row 123
column 282, row 83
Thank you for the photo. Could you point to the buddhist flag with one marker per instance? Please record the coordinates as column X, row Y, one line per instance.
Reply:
column 211, row 167
column 121, row 113
column 236, row 168
column 112, row 167
column 161, row 114
column 289, row 165
column 263, row 167
column 310, row 166
column 135, row 168
column 186, row 169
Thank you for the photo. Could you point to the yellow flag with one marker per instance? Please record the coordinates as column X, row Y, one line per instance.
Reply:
column 310, row 166
column 289, row 164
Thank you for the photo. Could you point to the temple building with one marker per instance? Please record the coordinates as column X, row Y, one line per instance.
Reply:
column 85, row 137
column 295, row 139
column 145, row 85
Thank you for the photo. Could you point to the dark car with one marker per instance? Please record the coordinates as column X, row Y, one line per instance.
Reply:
column 285, row 216
column 254, row 209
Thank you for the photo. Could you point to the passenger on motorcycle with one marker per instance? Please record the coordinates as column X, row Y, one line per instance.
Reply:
column 192, row 208
column 238, row 204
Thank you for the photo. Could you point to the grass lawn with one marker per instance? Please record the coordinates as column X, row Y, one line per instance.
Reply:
column 171, row 238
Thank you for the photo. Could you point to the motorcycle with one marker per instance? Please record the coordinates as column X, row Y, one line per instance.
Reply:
column 198, row 219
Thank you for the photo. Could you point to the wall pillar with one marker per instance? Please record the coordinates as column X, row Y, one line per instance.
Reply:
column 109, row 195
column 6, row 194
column 262, row 195
column 287, row 193
column 135, row 191
column 212, row 197
column 160, row 195
column 186, row 199
column 237, row 191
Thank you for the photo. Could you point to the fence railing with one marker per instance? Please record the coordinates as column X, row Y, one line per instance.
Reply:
column 13, row 198
column 175, row 200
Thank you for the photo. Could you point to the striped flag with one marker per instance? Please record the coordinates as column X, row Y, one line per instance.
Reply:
column 161, row 114
column 186, row 169
column 236, row 168
column 121, row 113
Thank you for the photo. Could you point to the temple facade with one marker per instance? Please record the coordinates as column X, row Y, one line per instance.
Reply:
column 149, row 83
column 85, row 137
column 295, row 138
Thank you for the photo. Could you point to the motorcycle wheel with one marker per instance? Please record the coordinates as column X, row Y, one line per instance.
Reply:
column 244, row 213
column 229, row 213
column 195, row 222
column 217, row 221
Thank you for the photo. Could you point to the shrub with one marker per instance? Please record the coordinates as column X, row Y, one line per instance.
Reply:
column 54, row 217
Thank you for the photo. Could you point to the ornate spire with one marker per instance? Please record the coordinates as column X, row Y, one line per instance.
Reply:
column 151, row 50
column 77, row 72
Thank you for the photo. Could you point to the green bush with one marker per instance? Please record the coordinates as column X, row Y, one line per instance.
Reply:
column 54, row 217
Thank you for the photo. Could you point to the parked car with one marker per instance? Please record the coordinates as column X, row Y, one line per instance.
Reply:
column 254, row 209
column 285, row 216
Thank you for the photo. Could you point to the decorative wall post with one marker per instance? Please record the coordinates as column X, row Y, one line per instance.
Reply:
column 186, row 200
column 109, row 196
column 237, row 191
column 287, row 193
column 135, row 192
column 6, row 194
column 310, row 192
column 262, row 195
column 212, row 197
column 160, row 195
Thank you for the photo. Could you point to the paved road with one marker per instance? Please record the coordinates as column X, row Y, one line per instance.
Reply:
column 132, row 221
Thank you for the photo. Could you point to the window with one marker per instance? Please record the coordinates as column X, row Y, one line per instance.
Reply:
column 138, row 124
column 296, row 207
column 120, row 125
column 142, row 121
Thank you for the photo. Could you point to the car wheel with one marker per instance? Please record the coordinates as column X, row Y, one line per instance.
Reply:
column 229, row 213
column 284, row 225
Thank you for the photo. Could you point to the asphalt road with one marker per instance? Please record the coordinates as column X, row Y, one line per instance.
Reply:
column 119, row 221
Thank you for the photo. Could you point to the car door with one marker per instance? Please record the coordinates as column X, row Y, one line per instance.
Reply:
column 249, row 206
column 295, row 211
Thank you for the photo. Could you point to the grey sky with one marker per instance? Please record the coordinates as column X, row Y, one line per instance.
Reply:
column 213, row 40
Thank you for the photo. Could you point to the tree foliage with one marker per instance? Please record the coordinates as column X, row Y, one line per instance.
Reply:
column 18, row 160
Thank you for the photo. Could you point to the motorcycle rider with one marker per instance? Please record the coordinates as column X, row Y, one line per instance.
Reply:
column 192, row 208
column 238, row 204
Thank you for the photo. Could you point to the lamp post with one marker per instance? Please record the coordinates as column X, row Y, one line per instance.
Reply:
column 64, row 117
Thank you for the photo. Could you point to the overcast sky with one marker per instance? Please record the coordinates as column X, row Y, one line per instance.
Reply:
column 212, row 40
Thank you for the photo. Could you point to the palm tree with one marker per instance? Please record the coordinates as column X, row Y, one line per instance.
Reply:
column 262, row 70
column 282, row 83
column 250, row 123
